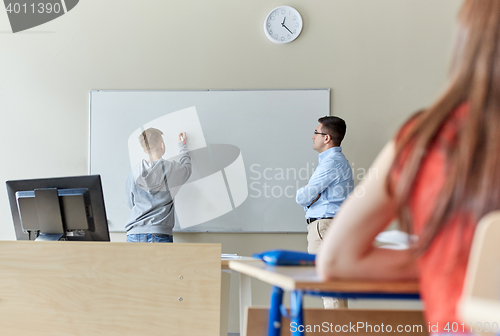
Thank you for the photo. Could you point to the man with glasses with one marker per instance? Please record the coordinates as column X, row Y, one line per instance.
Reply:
column 328, row 187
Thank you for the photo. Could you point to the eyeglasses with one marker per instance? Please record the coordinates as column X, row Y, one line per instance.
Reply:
column 316, row 132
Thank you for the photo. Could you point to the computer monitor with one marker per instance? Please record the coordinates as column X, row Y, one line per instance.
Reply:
column 63, row 208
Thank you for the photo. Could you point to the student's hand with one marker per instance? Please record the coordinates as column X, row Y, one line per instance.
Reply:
column 182, row 137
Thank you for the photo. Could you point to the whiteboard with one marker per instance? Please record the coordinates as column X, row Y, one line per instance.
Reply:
column 251, row 150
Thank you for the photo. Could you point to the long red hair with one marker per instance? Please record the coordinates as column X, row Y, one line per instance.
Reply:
column 473, row 165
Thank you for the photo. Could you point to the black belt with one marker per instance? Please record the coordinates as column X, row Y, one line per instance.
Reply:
column 310, row 220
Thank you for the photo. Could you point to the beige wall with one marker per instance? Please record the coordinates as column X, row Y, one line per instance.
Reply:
column 383, row 59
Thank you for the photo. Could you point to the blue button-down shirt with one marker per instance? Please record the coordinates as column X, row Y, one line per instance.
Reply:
column 332, row 179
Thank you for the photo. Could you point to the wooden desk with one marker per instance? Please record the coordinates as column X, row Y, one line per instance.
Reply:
column 225, row 261
column 300, row 280
column 102, row 288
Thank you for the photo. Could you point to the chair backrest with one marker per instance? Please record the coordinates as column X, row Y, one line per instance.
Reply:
column 102, row 288
column 480, row 302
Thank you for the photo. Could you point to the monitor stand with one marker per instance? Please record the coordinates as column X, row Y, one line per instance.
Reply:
column 49, row 237
column 49, row 214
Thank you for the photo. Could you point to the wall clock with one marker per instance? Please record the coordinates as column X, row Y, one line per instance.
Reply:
column 283, row 24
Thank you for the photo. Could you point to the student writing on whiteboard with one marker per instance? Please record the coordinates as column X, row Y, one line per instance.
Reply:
column 149, row 189
column 328, row 187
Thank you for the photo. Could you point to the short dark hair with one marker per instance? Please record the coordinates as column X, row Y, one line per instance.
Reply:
column 334, row 127
column 151, row 139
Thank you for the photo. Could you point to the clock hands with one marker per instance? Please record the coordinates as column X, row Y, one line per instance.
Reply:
column 283, row 25
column 286, row 28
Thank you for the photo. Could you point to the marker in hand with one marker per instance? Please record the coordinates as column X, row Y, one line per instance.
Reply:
column 182, row 137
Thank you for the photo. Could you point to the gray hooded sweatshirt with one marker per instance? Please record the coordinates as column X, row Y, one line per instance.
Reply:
column 151, row 188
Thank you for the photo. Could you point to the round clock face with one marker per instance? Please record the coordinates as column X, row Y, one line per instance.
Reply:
column 283, row 24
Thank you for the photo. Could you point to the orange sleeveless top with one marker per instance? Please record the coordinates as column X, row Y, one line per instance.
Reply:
column 442, row 267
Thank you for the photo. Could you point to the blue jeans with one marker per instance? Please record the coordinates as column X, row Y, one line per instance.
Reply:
column 150, row 238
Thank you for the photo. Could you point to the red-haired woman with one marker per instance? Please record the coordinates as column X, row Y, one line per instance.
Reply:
column 438, row 177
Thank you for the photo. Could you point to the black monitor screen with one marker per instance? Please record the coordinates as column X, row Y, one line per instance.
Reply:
column 65, row 208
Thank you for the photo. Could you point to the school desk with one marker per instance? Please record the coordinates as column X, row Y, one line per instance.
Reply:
column 300, row 280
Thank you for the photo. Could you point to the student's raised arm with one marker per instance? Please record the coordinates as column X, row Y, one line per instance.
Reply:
column 348, row 250
column 180, row 171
